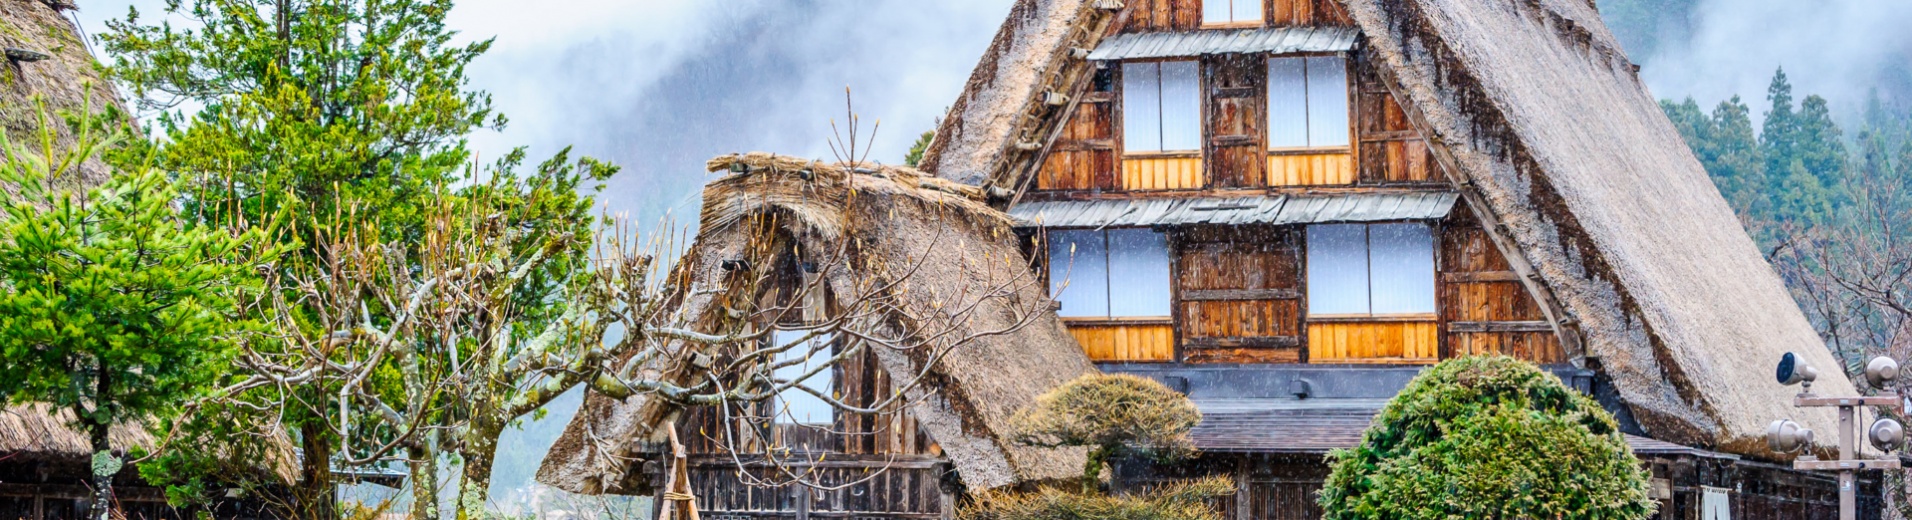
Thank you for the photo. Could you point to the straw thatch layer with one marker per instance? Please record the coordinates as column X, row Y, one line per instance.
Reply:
column 39, row 430
column 931, row 236
column 64, row 82
column 1538, row 109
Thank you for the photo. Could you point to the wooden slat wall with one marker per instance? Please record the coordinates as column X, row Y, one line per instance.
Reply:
column 1310, row 169
column 1162, row 173
column 858, row 381
column 1238, row 295
column 1374, row 341
column 1280, row 13
column 1163, row 15
column 910, row 490
column 1235, row 103
column 1183, row 15
column 1390, row 151
column 1125, row 342
column 1084, row 154
column 1485, row 309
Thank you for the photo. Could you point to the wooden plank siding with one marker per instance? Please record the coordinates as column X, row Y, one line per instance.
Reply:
column 1235, row 99
column 1083, row 156
column 1484, row 308
column 1162, row 172
column 1402, row 341
column 1390, row 150
column 1310, row 169
column 1238, row 294
column 1125, row 341
column 1184, row 15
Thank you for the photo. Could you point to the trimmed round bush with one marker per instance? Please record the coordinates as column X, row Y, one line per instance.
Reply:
column 1488, row 437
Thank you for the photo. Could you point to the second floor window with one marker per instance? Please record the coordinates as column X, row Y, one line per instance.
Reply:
column 1161, row 106
column 1228, row 12
column 1370, row 269
column 1307, row 102
column 1109, row 273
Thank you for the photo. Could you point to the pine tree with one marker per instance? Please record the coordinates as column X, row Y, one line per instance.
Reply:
column 1735, row 158
column 1778, row 137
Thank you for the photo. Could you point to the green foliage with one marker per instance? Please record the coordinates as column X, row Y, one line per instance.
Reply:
column 1115, row 415
column 1178, row 501
column 113, row 305
column 1791, row 175
column 1488, row 437
column 915, row 156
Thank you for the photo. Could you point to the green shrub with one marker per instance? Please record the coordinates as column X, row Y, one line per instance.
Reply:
column 1488, row 437
column 1115, row 415
column 1179, row 501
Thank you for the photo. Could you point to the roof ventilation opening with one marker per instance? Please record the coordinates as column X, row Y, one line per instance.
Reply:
column 1300, row 388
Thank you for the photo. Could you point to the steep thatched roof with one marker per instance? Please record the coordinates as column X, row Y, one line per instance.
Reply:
column 893, row 221
column 1535, row 112
column 64, row 79
column 1533, row 103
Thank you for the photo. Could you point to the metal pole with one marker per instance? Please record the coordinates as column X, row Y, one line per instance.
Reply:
column 1847, row 504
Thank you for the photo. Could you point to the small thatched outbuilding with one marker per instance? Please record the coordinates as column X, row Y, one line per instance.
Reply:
column 945, row 264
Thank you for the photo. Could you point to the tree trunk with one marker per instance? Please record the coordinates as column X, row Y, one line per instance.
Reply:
column 424, row 467
column 315, row 476
column 104, row 466
column 478, row 452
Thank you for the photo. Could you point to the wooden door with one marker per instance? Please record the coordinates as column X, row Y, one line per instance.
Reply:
column 1084, row 154
column 1238, row 295
column 1234, row 105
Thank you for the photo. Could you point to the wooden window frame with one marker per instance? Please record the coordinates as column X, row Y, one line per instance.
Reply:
column 1348, row 87
column 1120, row 119
column 1233, row 23
column 1434, row 229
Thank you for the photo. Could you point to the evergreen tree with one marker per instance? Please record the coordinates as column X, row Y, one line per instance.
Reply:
column 1734, row 157
column 1778, row 138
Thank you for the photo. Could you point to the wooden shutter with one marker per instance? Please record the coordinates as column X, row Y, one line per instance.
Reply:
column 1235, row 105
column 1390, row 150
column 1238, row 295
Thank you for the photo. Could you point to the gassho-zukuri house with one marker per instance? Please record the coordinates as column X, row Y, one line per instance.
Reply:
column 1284, row 209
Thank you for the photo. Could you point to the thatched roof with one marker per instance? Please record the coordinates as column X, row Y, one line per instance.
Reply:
column 64, row 79
column 42, row 432
column 1544, row 125
column 1533, row 103
column 890, row 219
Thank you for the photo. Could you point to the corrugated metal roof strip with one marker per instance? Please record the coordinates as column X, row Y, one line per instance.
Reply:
column 1275, row 209
column 1278, row 40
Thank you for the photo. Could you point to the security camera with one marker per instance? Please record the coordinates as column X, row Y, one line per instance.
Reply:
column 1886, row 434
column 1785, row 436
column 1881, row 370
column 1793, row 370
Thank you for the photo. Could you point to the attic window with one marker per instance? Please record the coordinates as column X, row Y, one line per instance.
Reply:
column 1307, row 102
column 795, row 406
column 1231, row 12
column 1113, row 273
column 1161, row 107
column 1370, row 269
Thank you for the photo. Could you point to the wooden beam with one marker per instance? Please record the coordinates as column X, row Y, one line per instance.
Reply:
column 1499, row 326
column 1480, row 276
column 1240, row 294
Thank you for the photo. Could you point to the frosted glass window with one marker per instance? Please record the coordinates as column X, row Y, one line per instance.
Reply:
column 794, row 405
column 1287, row 103
column 1307, row 102
column 1230, row 11
column 1138, row 273
column 1142, row 107
column 1401, row 259
column 1079, row 272
column 1327, row 101
column 1161, row 106
column 1181, row 105
column 1338, row 269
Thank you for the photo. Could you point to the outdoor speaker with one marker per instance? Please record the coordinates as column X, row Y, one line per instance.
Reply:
column 1793, row 370
column 1785, row 436
column 1881, row 370
column 1886, row 434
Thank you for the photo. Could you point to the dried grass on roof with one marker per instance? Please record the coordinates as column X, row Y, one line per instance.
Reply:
column 69, row 81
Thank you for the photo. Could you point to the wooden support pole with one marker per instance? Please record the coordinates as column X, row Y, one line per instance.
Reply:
column 678, row 503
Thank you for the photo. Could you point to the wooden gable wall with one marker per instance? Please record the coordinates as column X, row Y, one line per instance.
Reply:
column 1186, row 15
